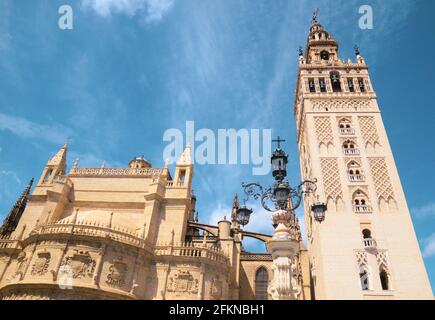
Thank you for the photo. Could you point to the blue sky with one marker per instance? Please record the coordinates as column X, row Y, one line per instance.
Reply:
column 131, row 69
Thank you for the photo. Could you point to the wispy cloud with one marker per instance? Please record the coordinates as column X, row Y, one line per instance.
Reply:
column 152, row 10
column 23, row 128
column 429, row 246
column 425, row 211
column 9, row 182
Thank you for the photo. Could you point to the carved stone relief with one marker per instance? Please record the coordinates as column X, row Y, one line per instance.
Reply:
column 40, row 267
column 117, row 273
column 183, row 282
column 80, row 264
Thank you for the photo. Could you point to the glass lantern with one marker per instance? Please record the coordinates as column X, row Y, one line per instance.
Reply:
column 243, row 215
column 319, row 211
column 279, row 165
column 281, row 194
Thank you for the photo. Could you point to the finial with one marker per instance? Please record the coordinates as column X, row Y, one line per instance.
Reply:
column 300, row 51
column 76, row 163
column 316, row 15
column 278, row 141
column 103, row 165
column 197, row 217
column 357, row 52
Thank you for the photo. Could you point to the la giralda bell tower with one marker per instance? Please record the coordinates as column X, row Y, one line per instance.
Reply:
column 367, row 247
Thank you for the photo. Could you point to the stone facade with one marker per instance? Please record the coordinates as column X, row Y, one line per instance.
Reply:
column 367, row 247
column 126, row 233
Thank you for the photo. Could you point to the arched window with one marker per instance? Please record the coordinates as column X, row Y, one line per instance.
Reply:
column 335, row 81
column 367, row 234
column 361, row 203
column 385, row 279
column 350, row 148
column 324, row 55
column 261, row 283
column 364, row 279
column 345, row 126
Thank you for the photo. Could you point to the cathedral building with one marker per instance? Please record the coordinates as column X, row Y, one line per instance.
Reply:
column 133, row 233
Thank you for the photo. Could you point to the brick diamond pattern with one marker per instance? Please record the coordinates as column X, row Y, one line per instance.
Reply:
column 323, row 130
column 331, row 178
column 368, row 129
column 381, row 178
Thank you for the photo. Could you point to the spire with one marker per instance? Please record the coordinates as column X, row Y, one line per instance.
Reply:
column 234, row 209
column 14, row 216
column 321, row 46
column 60, row 158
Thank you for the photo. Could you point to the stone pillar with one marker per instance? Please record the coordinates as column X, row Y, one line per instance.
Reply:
column 283, row 247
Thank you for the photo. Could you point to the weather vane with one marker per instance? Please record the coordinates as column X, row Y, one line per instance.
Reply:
column 357, row 52
column 316, row 14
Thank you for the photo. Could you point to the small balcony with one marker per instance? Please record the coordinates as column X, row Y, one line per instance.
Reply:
column 369, row 244
column 351, row 152
column 362, row 208
column 357, row 178
column 347, row 131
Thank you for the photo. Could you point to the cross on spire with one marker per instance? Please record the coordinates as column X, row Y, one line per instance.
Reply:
column 278, row 141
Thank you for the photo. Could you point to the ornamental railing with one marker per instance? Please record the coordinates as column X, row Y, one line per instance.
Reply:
column 209, row 252
column 351, row 152
column 356, row 178
column 92, row 229
column 347, row 131
column 149, row 172
column 122, row 235
column 369, row 243
column 362, row 208
column 7, row 242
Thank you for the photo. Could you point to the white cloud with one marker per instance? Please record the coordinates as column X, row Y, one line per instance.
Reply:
column 425, row 211
column 54, row 133
column 153, row 10
column 429, row 246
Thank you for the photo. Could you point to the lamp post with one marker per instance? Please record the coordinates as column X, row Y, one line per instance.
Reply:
column 285, row 243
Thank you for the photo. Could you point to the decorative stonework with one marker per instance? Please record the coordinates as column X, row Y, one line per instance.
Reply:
column 21, row 265
column 382, row 260
column 322, row 105
column 183, row 282
column 331, row 178
column 117, row 273
column 361, row 258
column 323, row 130
column 368, row 130
column 381, row 178
column 80, row 264
column 40, row 267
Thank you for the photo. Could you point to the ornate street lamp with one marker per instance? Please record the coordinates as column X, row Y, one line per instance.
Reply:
column 285, row 243
column 280, row 193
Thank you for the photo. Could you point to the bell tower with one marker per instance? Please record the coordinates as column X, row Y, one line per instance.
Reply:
column 367, row 247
